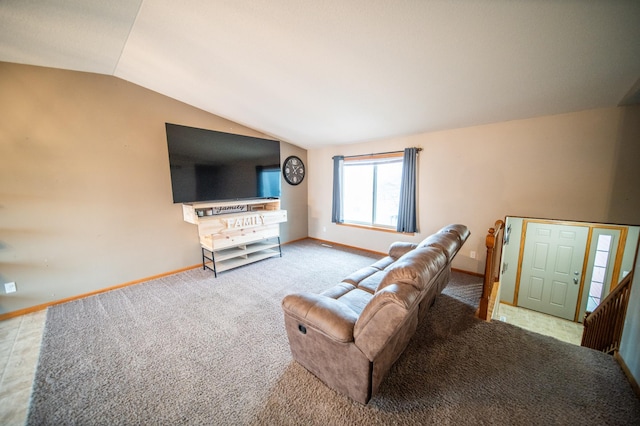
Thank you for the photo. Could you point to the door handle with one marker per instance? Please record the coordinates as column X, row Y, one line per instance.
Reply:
column 575, row 280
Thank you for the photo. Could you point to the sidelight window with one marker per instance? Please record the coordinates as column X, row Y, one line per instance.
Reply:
column 599, row 273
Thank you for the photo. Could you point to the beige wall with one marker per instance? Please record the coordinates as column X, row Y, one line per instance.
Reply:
column 85, row 192
column 294, row 199
column 578, row 166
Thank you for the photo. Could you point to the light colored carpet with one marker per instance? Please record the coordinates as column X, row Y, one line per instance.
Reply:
column 193, row 349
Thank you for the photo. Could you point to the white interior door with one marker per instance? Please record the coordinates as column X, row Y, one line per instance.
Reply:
column 551, row 270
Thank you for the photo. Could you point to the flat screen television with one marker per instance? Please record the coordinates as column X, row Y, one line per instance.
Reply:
column 207, row 165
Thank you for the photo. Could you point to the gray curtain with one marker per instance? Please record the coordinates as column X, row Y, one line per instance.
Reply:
column 336, row 209
column 407, row 221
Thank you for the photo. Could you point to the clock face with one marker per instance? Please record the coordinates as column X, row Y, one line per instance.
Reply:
column 293, row 170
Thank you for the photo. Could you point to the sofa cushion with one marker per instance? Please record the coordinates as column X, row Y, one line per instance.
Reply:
column 383, row 263
column 415, row 268
column 372, row 282
column 356, row 300
column 338, row 290
column 359, row 275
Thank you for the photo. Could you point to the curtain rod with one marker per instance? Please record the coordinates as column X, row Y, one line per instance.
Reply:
column 377, row 153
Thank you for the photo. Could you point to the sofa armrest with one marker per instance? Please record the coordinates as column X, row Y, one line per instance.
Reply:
column 328, row 316
column 399, row 248
column 385, row 316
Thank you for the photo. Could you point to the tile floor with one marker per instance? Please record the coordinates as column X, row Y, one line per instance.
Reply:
column 548, row 325
column 20, row 340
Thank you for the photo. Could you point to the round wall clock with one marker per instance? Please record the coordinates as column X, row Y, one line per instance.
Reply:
column 293, row 170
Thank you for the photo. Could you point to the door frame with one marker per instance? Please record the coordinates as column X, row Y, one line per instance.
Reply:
column 591, row 226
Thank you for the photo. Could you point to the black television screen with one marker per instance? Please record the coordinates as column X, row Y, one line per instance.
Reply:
column 207, row 165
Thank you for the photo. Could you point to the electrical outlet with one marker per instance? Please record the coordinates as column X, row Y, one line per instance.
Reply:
column 10, row 287
column 472, row 254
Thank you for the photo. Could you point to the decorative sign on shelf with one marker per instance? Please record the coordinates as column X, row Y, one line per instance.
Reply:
column 246, row 221
column 237, row 208
column 214, row 211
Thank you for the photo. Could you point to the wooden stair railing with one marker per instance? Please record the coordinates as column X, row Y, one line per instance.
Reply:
column 491, row 268
column 603, row 327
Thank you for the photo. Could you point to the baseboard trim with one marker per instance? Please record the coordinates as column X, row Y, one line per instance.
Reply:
column 475, row 274
column 627, row 372
column 42, row 306
column 332, row 243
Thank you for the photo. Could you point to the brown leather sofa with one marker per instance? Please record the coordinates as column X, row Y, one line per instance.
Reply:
column 350, row 335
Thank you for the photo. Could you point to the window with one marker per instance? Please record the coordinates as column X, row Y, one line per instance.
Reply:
column 377, row 190
column 371, row 190
column 268, row 181
column 599, row 274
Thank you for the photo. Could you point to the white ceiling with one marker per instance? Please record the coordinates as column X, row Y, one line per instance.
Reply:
column 322, row 72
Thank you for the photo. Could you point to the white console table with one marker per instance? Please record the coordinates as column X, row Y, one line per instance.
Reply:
column 236, row 233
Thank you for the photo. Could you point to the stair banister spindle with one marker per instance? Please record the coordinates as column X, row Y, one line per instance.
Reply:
column 603, row 327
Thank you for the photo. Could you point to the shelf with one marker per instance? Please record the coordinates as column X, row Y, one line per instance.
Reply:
column 243, row 250
column 232, row 239
column 236, row 233
column 241, row 261
column 196, row 213
column 242, row 254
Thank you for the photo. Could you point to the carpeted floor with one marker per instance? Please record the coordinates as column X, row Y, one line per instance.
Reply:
column 192, row 349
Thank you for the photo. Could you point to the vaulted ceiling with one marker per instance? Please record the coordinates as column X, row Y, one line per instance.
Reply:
column 326, row 72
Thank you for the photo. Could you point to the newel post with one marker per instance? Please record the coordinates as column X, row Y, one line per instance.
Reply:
column 488, row 275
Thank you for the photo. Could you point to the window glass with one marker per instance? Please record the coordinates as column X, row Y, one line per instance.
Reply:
column 602, row 257
column 358, row 198
column 599, row 272
column 388, row 193
column 372, row 191
column 604, row 242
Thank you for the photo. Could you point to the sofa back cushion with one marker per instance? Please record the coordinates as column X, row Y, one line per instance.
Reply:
column 461, row 231
column 448, row 242
column 416, row 268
